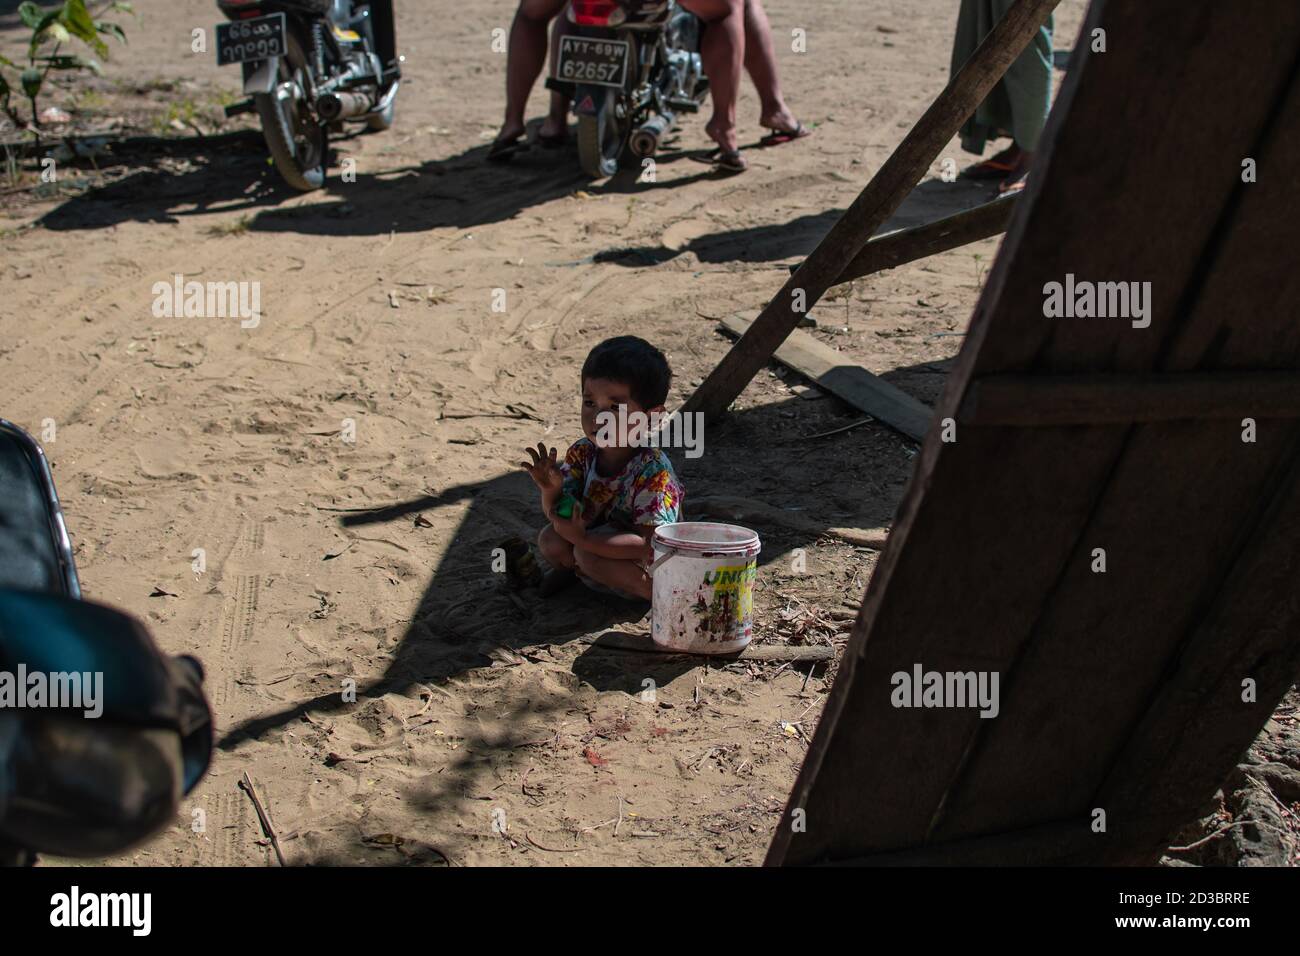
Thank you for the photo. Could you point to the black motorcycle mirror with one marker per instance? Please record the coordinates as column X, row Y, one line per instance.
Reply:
column 100, row 733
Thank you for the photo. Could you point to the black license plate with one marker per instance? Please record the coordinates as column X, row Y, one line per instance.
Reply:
column 256, row 39
column 600, row 62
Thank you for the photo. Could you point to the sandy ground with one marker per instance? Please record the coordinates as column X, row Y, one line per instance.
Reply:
column 328, row 561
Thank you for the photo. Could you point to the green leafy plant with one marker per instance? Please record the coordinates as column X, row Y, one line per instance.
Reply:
column 51, row 29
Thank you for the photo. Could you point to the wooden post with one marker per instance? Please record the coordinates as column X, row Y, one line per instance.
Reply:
column 874, row 205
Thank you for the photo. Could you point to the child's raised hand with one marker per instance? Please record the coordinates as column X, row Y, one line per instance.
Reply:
column 544, row 471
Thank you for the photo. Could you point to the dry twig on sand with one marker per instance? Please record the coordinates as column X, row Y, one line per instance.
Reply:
column 269, row 831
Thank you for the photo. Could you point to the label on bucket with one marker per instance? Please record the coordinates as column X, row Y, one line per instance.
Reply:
column 724, row 606
column 704, row 587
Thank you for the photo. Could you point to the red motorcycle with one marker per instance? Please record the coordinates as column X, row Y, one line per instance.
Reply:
column 631, row 68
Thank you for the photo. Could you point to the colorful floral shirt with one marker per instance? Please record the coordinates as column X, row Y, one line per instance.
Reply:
column 645, row 493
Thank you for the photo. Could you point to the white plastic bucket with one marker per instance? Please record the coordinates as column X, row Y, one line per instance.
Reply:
column 703, row 587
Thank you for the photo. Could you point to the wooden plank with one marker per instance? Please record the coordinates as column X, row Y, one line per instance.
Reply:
column 1046, row 400
column 986, row 565
column 832, row 371
column 892, row 249
column 874, row 205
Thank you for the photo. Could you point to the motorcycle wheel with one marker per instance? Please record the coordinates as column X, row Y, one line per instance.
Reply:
column 296, row 141
column 600, row 140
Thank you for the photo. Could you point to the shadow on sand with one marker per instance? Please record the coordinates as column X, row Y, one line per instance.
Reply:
column 466, row 613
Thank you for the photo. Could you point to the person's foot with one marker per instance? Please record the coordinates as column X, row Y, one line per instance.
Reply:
column 1019, row 175
column 723, row 135
column 1013, row 184
column 779, row 136
column 783, row 124
column 999, row 166
column 508, row 142
column 726, row 158
column 779, row 118
column 725, row 161
column 553, row 133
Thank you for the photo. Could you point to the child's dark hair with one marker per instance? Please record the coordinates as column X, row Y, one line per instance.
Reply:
column 632, row 362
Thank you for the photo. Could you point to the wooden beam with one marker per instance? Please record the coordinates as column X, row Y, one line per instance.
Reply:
column 875, row 204
column 1050, row 400
column 834, row 372
column 892, row 249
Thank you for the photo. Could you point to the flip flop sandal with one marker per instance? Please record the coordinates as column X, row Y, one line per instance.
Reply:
column 989, row 169
column 1013, row 184
column 780, row 136
column 502, row 151
column 727, row 161
column 558, row 141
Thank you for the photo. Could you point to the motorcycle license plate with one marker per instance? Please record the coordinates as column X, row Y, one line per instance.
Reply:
column 602, row 62
column 258, row 38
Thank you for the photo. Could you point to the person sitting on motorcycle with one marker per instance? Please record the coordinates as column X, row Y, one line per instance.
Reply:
column 736, row 32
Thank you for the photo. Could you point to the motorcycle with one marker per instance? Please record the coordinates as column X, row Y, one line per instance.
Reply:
column 630, row 67
column 75, row 782
column 310, row 66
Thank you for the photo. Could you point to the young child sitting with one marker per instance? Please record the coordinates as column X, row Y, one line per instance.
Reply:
column 622, row 491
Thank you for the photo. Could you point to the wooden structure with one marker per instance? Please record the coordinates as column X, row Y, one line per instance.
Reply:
column 1115, row 530
column 834, row 259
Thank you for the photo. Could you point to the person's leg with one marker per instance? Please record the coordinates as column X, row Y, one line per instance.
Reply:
column 626, row 576
column 760, row 63
column 557, row 552
column 525, row 56
column 559, row 555
column 1028, row 83
column 555, row 127
column 722, row 49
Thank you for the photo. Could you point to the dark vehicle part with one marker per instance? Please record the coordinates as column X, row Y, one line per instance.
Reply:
column 100, row 760
column 309, row 66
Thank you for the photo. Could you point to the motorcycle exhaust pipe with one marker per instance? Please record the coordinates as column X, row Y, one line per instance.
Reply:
column 645, row 139
column 340, row 106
